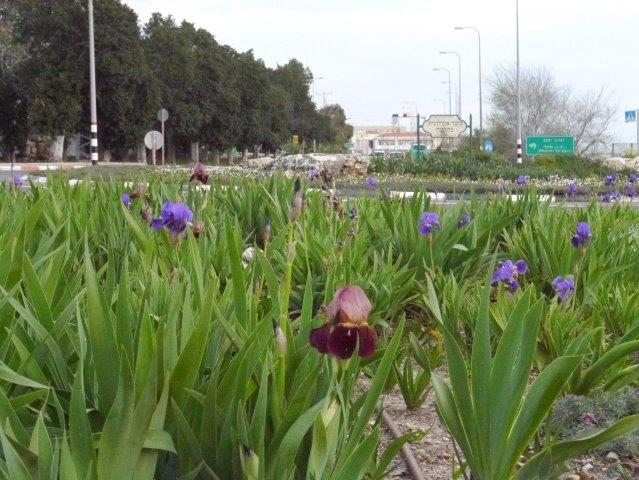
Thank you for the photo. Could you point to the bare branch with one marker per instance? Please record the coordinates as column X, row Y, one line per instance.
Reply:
column 548, row 108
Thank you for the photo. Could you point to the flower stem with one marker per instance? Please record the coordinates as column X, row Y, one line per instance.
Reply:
column 280, row 383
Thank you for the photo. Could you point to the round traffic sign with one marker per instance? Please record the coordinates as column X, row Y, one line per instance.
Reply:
column 163, row 115
column 154, row 140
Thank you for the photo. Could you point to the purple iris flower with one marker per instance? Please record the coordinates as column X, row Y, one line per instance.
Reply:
column 630, row 190
column 17, row 181
column 428, row 223
column 564, row 288
column 175, row 217
column 463, row 221
column 507, row 272
column 521, row 180
column 610, row 197
column 572, row 189
column 610, row 180
column 582, row 235
column 632, row 178
column 313, row 173
column 371, row 182
column 126, row 199
column 353, row 214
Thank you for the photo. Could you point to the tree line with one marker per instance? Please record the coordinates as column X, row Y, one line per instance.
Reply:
column 218, row 98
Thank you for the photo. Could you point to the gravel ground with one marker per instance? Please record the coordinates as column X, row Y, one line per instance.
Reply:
column 435, row 454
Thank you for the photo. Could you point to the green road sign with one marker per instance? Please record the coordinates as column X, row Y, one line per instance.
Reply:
column 549, row 145
column 418, row 152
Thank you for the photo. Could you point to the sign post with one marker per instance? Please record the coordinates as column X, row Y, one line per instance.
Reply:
column 631, row 116
column 549, row 145
column 153, row 140
column 418, row 139
column 163, row 116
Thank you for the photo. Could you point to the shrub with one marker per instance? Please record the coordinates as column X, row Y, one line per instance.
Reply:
column 485, row 166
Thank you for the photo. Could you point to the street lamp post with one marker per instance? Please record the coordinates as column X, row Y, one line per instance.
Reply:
column 449, row 91
column 519, row 144
column 459, row 88
column 92, row 88
column 456, row 92
column 481, row 106
column 443, row 103
column 414, row 104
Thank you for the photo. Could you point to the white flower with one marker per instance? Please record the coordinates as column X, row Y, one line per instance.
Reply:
column 248, row 256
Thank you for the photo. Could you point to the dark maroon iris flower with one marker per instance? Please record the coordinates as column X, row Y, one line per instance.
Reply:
column 266, row 233
column 199, row 174
column 198, row 228
column 347, row 325
column 297, row 203
column 139, row 191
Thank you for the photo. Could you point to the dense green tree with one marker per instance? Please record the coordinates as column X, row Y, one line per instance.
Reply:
column 56, row 78
column 13, row 116
column 252, row 81
column 171, row 54
column 13, row 104
column 11, row 53
column 128, row 96
column 339, row 132
column 277, row 117
column 217, row 97
column 295, row 79
column 51, row 75
column 220, row 97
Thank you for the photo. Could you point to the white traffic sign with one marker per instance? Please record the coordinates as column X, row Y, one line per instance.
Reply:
column 444, row 126
column 154, row 140
column 163, row 115
column 631, row 116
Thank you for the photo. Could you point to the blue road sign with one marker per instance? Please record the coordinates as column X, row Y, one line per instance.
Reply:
column 631, row 116
column 489, row 145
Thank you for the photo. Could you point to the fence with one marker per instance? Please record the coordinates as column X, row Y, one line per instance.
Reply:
column 624, row 149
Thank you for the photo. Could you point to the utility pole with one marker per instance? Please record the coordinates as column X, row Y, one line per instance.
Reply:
column 324, row 95
column 313, row 82
column 94, row 102
column 519, row 144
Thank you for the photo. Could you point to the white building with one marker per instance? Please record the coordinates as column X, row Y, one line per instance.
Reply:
column 388, row 140
column 364, row 137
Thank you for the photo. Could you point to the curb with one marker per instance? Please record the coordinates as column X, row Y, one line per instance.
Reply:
column 39, row 167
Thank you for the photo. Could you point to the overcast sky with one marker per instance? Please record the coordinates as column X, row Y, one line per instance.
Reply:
column 375, row 55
